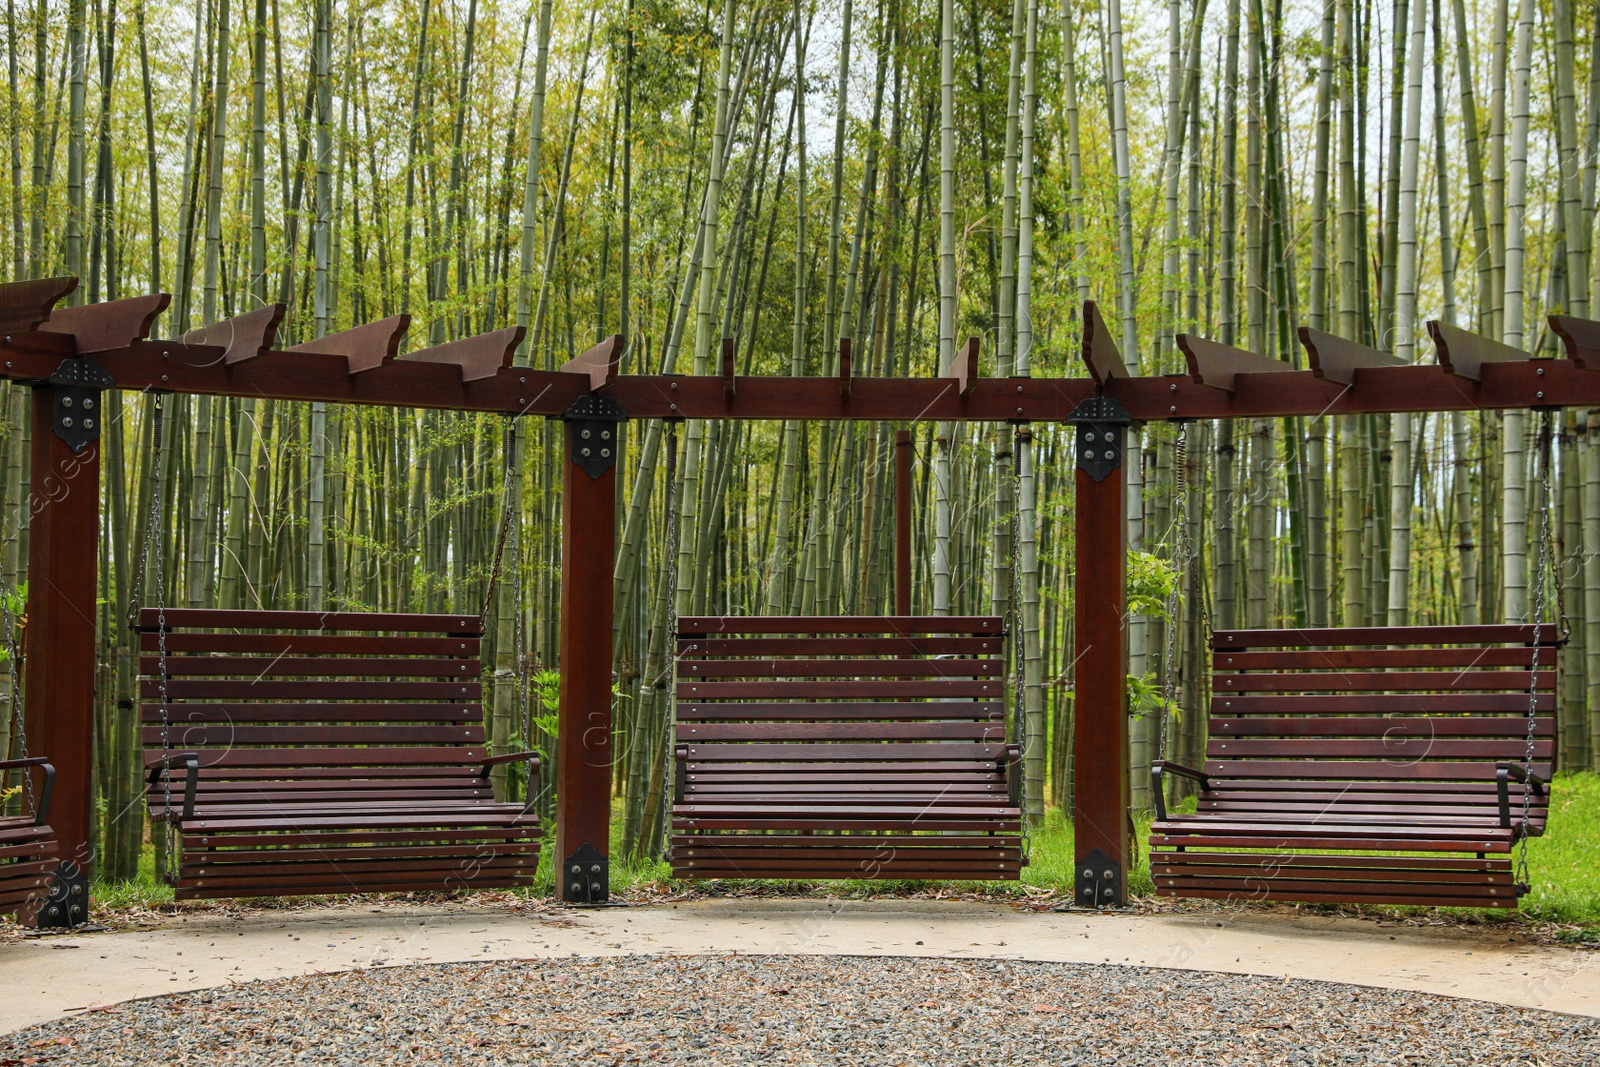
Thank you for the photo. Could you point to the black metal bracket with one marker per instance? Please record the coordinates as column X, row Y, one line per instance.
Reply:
column 1102, row 427
column 593, row 421
column 1098, row 882
column 67, row 904
column 76, row 413
column 586, row 876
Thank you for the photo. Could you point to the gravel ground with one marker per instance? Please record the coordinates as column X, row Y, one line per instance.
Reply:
column 803, row 1010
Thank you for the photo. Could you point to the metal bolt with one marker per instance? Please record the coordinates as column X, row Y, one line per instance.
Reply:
column 576, row 888
column 88, row 424
column 674, row 385
column 585, row 452
column 585, row 435
column 67, row 422
column 594, row 869
column 1537, row 370
column 1539, row 395
column 163, row 377
column 605, row 435
column 605, row 453
column 1110, row 437
column 1019, row 411
column 674, row 407
column 1110, row 875
column 166, row 355
column 1088, row 892
column 66, row 401
column 522, row 380
column 88, row 402
column 576, row 869
column 1173, row 388
column 1088, row 874
column 1172, row 410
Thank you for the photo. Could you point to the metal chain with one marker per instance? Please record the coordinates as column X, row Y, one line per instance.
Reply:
column 19, row 726
column 136, row 593
column 1180, row 562
column 1018, row 635
column 152, row 541
column 669, row 579
column 519, row 634
column 1546, row 555
column 505, row 520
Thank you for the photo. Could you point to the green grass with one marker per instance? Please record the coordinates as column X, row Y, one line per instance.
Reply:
column 1564, row 866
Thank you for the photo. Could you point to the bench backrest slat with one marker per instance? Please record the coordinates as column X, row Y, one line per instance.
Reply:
column 852, row 699
column 363, row 702
column 1421, row 704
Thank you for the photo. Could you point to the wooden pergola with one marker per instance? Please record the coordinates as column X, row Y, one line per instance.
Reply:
column 69, row 356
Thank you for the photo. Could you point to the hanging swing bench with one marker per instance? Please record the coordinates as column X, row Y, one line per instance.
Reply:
column 28, row 852
column 841, row 747
column 298, row 752
column 1327, row 746
column 1380, row 765
column 317, row 752
column 844, row 748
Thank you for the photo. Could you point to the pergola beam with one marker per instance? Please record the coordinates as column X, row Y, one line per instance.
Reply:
column 414, row 382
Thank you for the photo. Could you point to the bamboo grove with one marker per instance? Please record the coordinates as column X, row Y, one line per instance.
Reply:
column 656, row 168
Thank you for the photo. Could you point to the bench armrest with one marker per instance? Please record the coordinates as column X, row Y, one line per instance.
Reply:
column 531, row 759
column 1157, row 786
column 41, row 813
column 1503, row 774
column 190, row 761
column 680, row 773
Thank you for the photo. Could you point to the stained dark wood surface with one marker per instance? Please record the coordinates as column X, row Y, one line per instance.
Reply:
column 1334, row 742
column 344, row 759
column 845, row 748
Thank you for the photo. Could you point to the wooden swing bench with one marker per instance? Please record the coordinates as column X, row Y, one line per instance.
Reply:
column 326, row 752
column 844, row 748
column 28, row 851
column 1381, row 766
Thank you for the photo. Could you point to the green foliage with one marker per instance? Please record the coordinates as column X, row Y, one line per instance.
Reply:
column 1145, row 697
column 1151, row 581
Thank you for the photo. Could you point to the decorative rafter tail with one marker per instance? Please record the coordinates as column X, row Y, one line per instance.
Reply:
column 25, row 305
column 1463, row 353
column 243, row 337
column 365, row 347
column 110, row 325
column 601, row 361
column 1218, row 365
column 481, row 356
column 1337, row 359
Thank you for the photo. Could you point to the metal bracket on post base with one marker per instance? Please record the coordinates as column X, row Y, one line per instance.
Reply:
column 76, row 409
column 586, row 877
column 1098, row 882
column 67, row 905
column 1102, row 428
column 592, row 420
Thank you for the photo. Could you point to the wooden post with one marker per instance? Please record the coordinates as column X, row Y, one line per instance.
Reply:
column 583, row 740
column 1100, row 657
column 902, row 522
column 58, row 686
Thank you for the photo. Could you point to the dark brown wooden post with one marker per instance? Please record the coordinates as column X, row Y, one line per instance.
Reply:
column 583, row 740
column 63, row 550
column 1100, row 656
column 902, row 522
